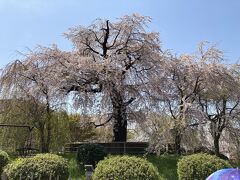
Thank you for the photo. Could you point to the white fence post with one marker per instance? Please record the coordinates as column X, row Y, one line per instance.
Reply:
column 3, row 176
column 89, row 171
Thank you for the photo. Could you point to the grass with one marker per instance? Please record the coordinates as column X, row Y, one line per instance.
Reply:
column 166, row 165
column 76, row 172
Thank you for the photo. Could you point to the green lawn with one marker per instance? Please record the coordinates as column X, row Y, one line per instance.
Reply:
column 166, row 165
column 76, row 172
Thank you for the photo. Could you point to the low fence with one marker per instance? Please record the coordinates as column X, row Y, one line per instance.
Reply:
column 113, row 147
column 31, row 177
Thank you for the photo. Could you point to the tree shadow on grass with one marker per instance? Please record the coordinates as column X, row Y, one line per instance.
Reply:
column 166, row 164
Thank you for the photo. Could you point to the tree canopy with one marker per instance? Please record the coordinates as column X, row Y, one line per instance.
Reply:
column 119, row 71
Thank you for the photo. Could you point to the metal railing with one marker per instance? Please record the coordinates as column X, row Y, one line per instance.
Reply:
column 114, row 147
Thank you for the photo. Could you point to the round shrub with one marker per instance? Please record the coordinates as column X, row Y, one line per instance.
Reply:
column 4, row 159
column 199, row 166
column 41, row 166
column 125, row 168
column 90, row 154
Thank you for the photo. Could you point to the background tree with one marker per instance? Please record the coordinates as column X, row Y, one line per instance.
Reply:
column 176, row 89
column 29, row 80
column 219, row 102
column 12, row 138
column 22, row 112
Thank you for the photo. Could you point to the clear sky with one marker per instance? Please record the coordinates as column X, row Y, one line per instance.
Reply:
column 182, row 23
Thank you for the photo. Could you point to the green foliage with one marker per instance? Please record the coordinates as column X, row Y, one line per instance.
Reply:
column 125, row 168
column 43, row 165
column 13, row 113
column 199, row 166
column 90, row 154
column 166, row 165
column 80, row 128
column 75, row 172
column 60, row 130
column 33, row 113
column 4, row 159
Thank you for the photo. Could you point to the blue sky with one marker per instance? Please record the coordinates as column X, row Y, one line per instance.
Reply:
column 182, row 23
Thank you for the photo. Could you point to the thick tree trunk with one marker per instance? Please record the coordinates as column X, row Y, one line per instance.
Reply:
column 216, row 139
column 218, row 128
column 120, row 130
column 43, row 149
column 49, row 128
column 177, row 132
column 48, row 139
column 44, row 146
column 216, row 131
column 178, row 139
column 119, row 117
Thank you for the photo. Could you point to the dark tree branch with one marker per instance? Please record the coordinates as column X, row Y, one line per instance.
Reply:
column 195, row 89
column 170, row 109
column 80, row 89
column 105, row 41
column 233, row 108
column 195, row 124
column 91, row 49
column 95, row 35
column 129, row 101
column 115, row 39
column 102, row 124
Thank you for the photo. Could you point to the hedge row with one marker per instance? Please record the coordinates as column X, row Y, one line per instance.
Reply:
column 196, row 166
column 125, row 167
column 41, row 166
column 199, row 166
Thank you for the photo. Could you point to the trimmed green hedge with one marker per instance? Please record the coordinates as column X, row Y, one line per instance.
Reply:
column 125, row 168
column 199, row 166
column 43, row 165
column 4, row 159
column 90, row 154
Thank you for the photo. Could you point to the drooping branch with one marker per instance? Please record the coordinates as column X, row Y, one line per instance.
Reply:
column 81, row 89
column 102, row 124
column 30, row 128
column 195, row 124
